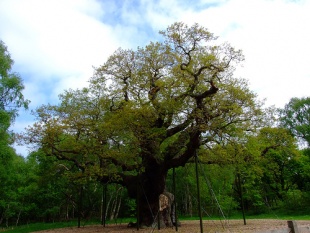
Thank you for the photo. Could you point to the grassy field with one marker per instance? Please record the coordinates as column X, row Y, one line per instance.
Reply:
column 32, row 227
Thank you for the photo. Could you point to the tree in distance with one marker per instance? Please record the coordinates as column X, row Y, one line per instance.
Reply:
column 11, row 99
column 296, row 118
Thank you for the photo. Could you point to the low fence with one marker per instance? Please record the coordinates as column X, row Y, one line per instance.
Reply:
column 292, row 227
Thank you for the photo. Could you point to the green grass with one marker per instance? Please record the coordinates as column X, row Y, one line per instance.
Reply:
column 302, row 214
column 272, row 215
column 283, row 216
column 33, row 227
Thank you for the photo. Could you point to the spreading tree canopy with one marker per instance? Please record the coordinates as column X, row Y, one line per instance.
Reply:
column 148, row 110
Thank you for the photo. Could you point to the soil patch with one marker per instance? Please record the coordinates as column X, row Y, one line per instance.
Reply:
column 189, row 227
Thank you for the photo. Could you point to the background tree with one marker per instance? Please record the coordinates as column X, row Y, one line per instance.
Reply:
column 302, row 177
column 296, row 117
column 265, row 165
column 278, row 158
column 11, row 98
column 149, row 110
column 269, row 166
column 11, row 85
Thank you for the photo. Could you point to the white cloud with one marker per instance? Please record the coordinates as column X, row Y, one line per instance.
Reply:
column 56, row 39
column 274, row 36
column 56, row 43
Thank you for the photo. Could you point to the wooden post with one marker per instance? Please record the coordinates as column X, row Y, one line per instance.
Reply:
column 80, row 206
column 198, row 193
column 104, row 204
column 175, row 202
column 158, row 217
column 138, row 203
column 293, row 226
column 241, row 197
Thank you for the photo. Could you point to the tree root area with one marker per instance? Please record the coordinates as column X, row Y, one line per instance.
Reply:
column 193, row 226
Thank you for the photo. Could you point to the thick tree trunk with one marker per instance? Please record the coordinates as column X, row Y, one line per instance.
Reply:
column 148, row 185
column 152, row 184
column 166, row 213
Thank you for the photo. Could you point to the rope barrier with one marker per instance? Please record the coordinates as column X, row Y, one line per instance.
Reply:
column 214, row 197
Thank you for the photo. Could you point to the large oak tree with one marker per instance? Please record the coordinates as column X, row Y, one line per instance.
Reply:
column 149, row 110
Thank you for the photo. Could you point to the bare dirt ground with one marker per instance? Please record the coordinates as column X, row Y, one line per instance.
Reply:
column 190, row 227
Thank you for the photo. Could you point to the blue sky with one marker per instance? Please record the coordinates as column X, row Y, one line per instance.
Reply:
column 56, row 43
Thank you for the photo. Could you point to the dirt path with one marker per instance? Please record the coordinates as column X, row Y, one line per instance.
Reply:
column 190, row 227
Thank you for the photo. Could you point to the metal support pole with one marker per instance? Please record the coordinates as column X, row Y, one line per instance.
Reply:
column 104, row 204
column 198, row 192
column 80, row 205
column 158, row 219
column 239, row 181
column 175, row 202
column 138, row 204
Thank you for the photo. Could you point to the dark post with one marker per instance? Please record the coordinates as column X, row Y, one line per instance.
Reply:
column 198, row 192
column 104, row 204
column 175, row 202
column 158, row 218
column 241, row 197
column 138, row 205
column 293, row 226
column 80, row 205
